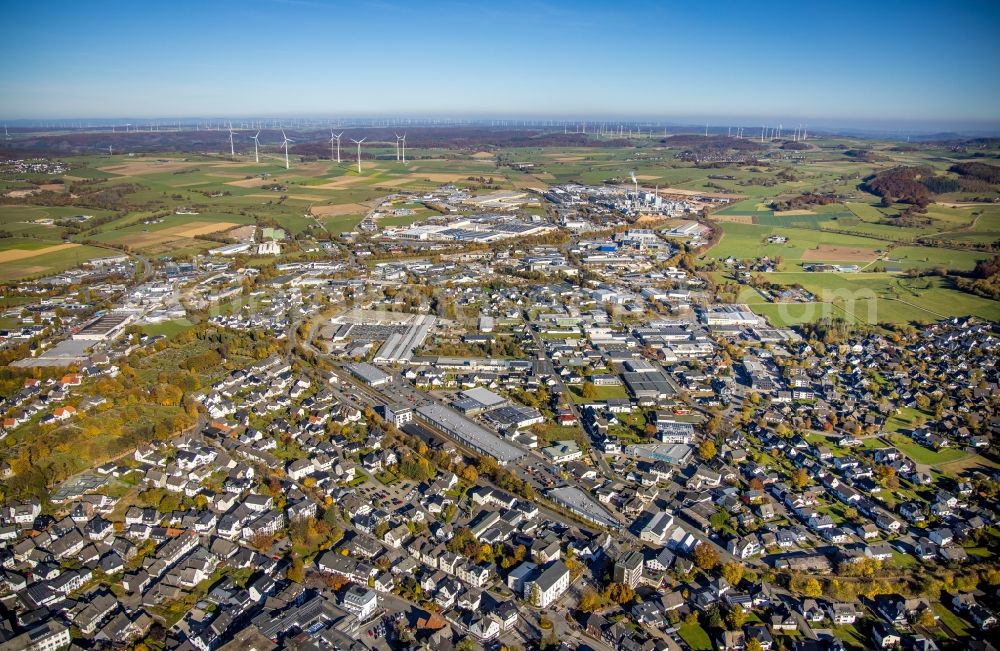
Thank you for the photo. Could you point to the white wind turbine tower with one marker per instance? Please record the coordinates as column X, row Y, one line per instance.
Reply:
column 333, row 137
column 397, row 146
column 256, row 143
column 232, row 147
column 358, row 143
column 285, row 142
column 404, row 147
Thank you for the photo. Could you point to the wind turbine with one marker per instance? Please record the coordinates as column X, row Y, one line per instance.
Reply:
column 256, row 143
column 397, row 146
column 404, row 147
column 285, row 142
column 232, row 147
column 358, row 143
column 336, row 137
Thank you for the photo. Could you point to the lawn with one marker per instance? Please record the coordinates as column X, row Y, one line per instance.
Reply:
column 695, row 636
column 600, row 393
column 904, row 419
column 923, row 455
column 850, row 636
column 957, row 625
column 167, row 328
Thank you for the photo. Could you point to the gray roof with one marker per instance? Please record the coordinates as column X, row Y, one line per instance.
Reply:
column 469, row 433
column 551, row 575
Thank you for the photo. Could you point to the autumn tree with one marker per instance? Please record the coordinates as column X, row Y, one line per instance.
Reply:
column 705, row 556
column 296, row 571
column 706, row 450
column 619, row 593
column 733, row 572
column 812, row 588
column 736, row 618
column 590, row 601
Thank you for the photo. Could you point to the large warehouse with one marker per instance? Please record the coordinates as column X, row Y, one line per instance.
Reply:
column 468, row 433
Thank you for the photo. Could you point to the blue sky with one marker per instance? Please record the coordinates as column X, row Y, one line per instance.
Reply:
column 836, row 62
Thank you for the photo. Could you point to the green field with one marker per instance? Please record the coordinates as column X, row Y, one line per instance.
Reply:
column 923, row 455
column 600, row 393
column 167, row 328
column 870, row 298
column 44, row 264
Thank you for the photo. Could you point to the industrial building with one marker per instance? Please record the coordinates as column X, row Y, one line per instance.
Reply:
column 370, row 375
column 468, row 433
column 105, row 327
column 731, row 315
column 399, row 347
column 578, row 502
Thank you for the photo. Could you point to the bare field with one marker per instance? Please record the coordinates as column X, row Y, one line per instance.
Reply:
column 792, row 213
column 698, row 193
column 393, row 183
column 342, row 182
column 138, row 168
column 838, row 254
column 191, row 229
column 243, row 232
column 175, row 233
column 441, row 177
column 255, row 182
column 10, row 255
column 736, row 219
column 338, row 209
column 309, row 197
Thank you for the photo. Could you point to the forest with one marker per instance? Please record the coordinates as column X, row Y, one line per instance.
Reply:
column 901, row 184
column 979, row 171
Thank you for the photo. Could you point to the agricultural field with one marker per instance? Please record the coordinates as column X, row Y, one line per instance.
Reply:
column 871, row 298
column 23, row 257
column 319, row 199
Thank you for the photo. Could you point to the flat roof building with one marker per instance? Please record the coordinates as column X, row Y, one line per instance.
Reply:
column 580, row 503
column 105, row 327
column 369, row 374
column 468, row 433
